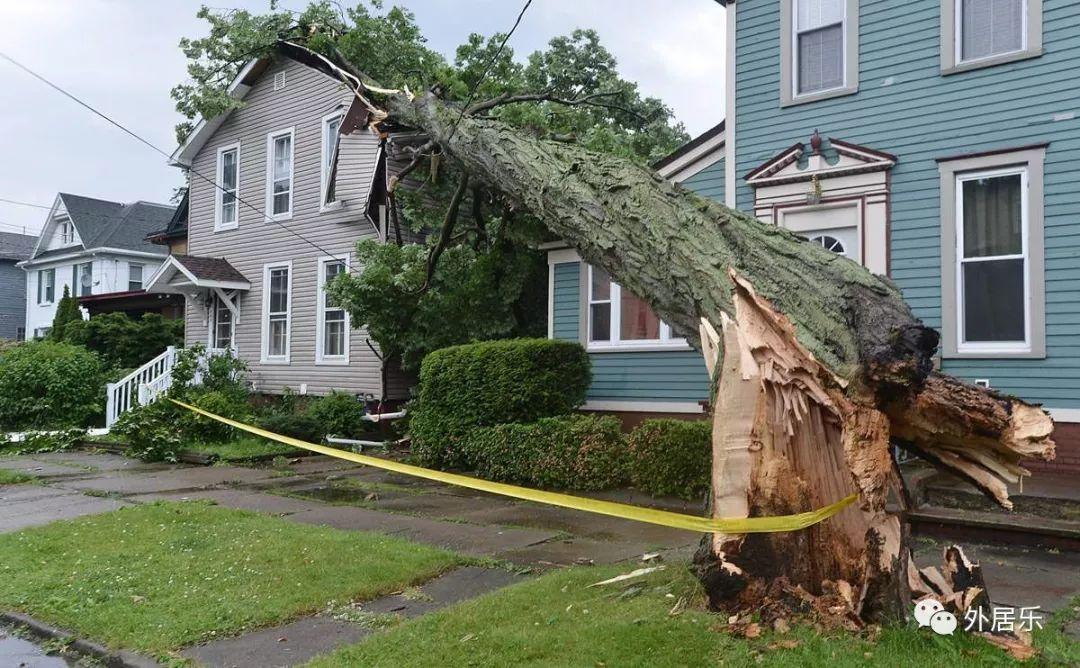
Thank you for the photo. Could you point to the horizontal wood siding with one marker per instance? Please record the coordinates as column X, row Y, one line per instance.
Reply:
column 12, row 299
column 307, row 97
column 906, row 107
column 626, row 376
column 709, row 182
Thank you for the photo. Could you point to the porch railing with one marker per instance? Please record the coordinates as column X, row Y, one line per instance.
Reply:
column 140, row 386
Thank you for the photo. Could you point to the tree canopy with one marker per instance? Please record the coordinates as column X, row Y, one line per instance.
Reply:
column 487, row 280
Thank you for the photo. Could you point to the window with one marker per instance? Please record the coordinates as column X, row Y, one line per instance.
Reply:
column 20, row 333
column 277, row 289
column 829, row 242
column 222, row 332
column 279, row 174
column 332, row 346
column 42, row 332
column 228, row 178
column 46, row 287
column 618, row 319
column 992, row 269
column 135, row 276
column 819, row 49
column 981, row 33
column 66, row 231
column 331, row 128
column 84, row 279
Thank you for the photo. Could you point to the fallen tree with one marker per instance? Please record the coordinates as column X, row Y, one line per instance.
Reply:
column 818, row 365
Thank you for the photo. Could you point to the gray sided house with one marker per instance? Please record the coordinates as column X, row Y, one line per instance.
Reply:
column 933, row 141
column 280, row 191
column 97, row 249
column 14, row 248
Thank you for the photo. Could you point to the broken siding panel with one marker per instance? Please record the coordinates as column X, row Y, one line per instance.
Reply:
column 307, row 97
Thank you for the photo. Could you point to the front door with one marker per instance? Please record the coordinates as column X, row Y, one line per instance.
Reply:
column 836, row 227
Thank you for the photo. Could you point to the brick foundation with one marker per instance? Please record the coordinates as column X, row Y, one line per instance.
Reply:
column 1067, row 437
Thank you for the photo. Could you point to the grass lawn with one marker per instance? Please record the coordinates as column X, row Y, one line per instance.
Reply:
column 242, row 449
column 158, row 577
column 556, row 621
column 8, row 477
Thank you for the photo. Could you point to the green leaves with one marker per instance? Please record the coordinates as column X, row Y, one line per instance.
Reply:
column 46, row 385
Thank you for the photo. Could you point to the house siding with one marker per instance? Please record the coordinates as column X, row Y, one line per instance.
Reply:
column 307, row 97
column 709, row 182
column 906, row 107
column 12, row 299
column 643, row 377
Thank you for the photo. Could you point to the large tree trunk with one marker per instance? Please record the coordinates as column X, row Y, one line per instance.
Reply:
column 818, row 364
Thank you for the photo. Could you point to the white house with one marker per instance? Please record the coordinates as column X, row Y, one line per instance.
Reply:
column 95, row 248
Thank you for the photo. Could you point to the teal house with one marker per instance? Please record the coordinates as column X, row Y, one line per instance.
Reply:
column 933, row 141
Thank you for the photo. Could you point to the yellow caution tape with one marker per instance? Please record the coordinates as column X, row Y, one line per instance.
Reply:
column 730, row 525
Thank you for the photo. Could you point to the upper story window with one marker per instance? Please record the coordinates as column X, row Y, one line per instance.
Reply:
column 981, row 33
column 331, row 129
column 46, row 286
column 819, row 49
column 66, row 231
column 135, row 276
column 993, row 303
column 619, row 319
column 279, row 174
column 228, row 191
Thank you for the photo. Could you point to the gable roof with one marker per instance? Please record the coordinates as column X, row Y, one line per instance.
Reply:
column 693, row 156
column 177, row 227
column 104, row 224
column 785, row 167
column 16, row 246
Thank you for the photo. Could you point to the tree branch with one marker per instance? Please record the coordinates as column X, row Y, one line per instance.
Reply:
column 548, row 96
column 447, row 232
column 478, row 218
column 423, row 152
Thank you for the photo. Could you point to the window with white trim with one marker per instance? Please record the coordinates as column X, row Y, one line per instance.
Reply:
column 987, row 28
column 228, row 178
column 818, row 46
column 84, row 279
column 331, row 129
column 135, row 276
column 222, row 333
column 42, row 332
column 992, row 260
column 277, row 302
column 620, row 319
column 333, row 342
column 279, row 173
column 46, row 286
column 66, row 231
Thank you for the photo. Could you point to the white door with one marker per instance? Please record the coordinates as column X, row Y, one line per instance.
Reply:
column 835, row 227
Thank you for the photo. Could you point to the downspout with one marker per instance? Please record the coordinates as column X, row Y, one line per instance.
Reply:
column 730, row 183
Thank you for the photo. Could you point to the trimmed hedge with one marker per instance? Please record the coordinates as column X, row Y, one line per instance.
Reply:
column 671, row 457
column 489, row 383
column 581, row 452
column 49, row 385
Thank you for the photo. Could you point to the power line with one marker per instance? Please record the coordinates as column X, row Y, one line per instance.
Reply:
column 162, row 152
column 15, row 201
column 487, row 69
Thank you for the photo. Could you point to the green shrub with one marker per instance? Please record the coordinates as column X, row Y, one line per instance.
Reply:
column 303, row 427
column 671, row 458
column 153, row 431
column 490, row 383
column 47, row 385
column 232, row 405
column 120, row 340
column 67, row 312
column 583, row 452
column 340, row 414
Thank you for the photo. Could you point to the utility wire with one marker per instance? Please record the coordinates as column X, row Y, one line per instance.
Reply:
column 15, row 201
column 162, row 152
column 487, row 69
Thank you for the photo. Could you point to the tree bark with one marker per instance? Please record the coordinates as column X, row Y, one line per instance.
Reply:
column 817, row 364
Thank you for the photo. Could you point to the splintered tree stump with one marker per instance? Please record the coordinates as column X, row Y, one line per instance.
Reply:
column 818, row 364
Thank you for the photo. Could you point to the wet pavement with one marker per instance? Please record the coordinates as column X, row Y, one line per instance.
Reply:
column 15, row 652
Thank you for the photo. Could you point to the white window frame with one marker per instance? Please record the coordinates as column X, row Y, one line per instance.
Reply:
column 324, row 155
column 952, row 44
column 666, row 341
column 42, row 296
column 266, row 358
column 962, row 345
column 217, row 304
column 789, row 55
column 67, row 231
column 142, row 275
column 219, row 223
column 77, row 287
column 269, row 204
column 320, row 334
column 953, row 172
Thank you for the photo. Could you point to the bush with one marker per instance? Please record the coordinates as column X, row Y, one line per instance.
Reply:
column 489, row 383
column 121, row 340
column 46, row 385
column 303, row 427
column 227, row 404
column 671, row 458
column 153, row 431
column 582, row 452
column 340, row 414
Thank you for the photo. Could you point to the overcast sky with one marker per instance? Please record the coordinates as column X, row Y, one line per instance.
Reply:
column 121, row 56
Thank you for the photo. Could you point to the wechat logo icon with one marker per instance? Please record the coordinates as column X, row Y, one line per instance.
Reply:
column 930, row 612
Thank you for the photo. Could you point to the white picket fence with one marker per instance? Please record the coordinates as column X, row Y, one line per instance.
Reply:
column 140, row 386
